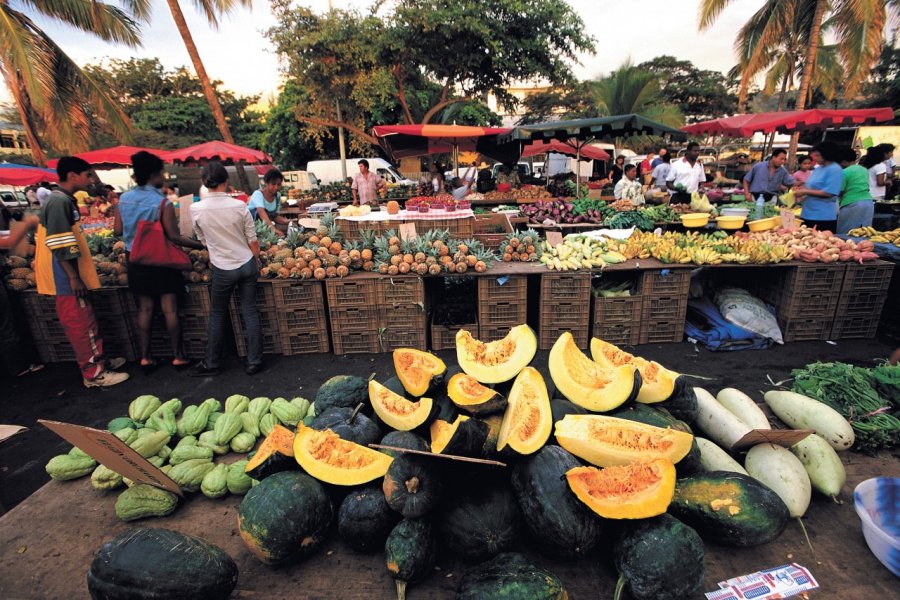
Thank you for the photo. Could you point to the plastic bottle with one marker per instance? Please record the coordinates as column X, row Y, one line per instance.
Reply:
column 760, row 207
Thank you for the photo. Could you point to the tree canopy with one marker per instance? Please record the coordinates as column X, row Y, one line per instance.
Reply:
column 410, row 60
column 699, row 93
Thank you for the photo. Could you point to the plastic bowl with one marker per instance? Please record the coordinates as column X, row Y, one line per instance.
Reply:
column 763, row 224
column 730, row 222
column 695, row 219
column 735, row 212
column 877, row 503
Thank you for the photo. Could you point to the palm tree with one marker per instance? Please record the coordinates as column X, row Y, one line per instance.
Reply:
column 47, row 86
column 212, row 10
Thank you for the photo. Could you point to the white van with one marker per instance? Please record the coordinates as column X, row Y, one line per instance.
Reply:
column 329, row 171
column 298, row 180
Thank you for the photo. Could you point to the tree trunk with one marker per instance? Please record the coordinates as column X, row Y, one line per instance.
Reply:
column 208, row 91
column 809, row 69
column 23, row 105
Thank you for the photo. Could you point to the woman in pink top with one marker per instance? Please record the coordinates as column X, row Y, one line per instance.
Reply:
column 802, row 174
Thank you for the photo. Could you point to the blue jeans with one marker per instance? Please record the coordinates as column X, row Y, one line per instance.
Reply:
column 858, row 214
column 223, row 284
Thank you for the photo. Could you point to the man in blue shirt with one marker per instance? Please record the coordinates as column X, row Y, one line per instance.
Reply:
column 265, row 202
column 769, row 177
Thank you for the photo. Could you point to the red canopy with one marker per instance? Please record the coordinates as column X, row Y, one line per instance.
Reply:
column 401, row 141
column 217, row 151
column 587, row 152
column 110, row 158
column 19, row 175
column 789, row 121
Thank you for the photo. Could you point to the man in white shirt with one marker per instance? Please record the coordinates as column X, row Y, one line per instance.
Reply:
column 685, row 175
column 43, row 193
column 629, row 188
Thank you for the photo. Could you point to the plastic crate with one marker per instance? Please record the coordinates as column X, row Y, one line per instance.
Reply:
column 196, row 301
column 550, row 333
column 400, row 289
column 507, row 288
column 565, row 287
column 356, row 342
column 561, row 317
column 271, row 343
column 814, row 278
column 502, row 313
column 306, row 343
column 861, row 304
column 406, row 316
column 628, row 333
column 666, row 282
column 350, row 320
column 407, row 338
column 287, row 295
column 443, row 337
column 859, row 327
column 661, row 332
column 617, row 310
column 300, row 320
column 348, row 293
column 664, row 308
column 868, row 277
column 805, row 330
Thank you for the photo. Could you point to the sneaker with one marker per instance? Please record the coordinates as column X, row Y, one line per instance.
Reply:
column 106, row 379
column 201, row 370
column 114, row 363
column 254, row 369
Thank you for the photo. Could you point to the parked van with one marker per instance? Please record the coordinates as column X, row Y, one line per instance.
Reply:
column 329, row 171
column 298, row 180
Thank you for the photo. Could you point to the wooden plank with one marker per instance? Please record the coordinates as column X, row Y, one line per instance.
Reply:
column 47, row 542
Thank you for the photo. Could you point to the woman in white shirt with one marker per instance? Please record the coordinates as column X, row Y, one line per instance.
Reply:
column 874, row 162
column 224, row 225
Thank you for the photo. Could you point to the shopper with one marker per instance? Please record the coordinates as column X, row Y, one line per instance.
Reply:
column 265, row 202
column 647, row 165
column 822, row 190
column 804, row 168
column 659, row 158
column 856, row 207
column 366, row 185
column 618, row 169
column 629, row 188
column 146, row 282
column 661, row 170
column 15, row 355
column 509, row 174
column 768, row 178
column 64, row 268
column 875, row 163
column 686, row 175
column 225, row 227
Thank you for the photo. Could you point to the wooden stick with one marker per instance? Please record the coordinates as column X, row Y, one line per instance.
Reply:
column 480, row 461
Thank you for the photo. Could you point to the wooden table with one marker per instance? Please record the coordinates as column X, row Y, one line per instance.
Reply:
column 47, row 543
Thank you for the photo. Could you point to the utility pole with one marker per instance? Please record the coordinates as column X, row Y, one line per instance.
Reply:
column 337, row 106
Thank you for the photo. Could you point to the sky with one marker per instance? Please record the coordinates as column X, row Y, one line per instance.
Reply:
column 239, row 53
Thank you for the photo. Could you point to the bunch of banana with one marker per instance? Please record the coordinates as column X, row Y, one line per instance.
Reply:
column 672, row 254
column 706, row 256
column 735, row 257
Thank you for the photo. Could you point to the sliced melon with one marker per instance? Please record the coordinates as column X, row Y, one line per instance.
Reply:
column 395, row 410
column 328, row 458
column 609, row 441
column 528, row 420
column 463, row 437
column 472, row 397
column 418, row 370
column 275, row 454
column 586, row 383
column 499, row 361
column 657, row 382
column 636, row 491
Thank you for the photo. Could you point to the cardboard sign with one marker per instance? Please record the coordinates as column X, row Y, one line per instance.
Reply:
column 554, row 238
column 112, row 452
column 308, row 223
column 779, row 437
column 407, row 231
column 788, row 218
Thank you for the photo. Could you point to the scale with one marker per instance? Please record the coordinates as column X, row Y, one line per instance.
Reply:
column 321, row 208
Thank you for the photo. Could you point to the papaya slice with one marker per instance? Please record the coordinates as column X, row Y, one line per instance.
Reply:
column 418, row 371
column 395, row 410
column 609, row 441
column 498, row 361
column 637, row 491
column 528, row 420
column 328, row 458
column 593, row 386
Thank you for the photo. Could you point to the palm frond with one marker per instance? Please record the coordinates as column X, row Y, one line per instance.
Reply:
column 776, row 74
column 214, row 10
column 20, row 55
column 858, row 26
column 108, row 22
column 709, row 11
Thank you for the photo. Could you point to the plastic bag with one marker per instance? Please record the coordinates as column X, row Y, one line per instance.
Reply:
column 743, row 309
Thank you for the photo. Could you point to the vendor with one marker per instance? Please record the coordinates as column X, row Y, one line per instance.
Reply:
column 485, row 178
column 822, row 190
column 618, row 169
column 768, row 178
column 857, row 206
column 460, row 188
column 804, row 168
column 875, row 161
column 686, row 175
column 366, row 185
column 629, row 188
column 265, row 202
column 509, row 174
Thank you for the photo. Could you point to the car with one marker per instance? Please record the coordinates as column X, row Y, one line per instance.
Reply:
column 13, row 200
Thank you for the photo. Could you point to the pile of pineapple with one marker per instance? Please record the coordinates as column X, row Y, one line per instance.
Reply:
column 520, row 246
column 432, row 253
column 109, row 261
column 20, row 276
column 321, row 255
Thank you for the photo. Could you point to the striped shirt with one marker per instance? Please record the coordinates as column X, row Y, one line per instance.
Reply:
column 58, row 216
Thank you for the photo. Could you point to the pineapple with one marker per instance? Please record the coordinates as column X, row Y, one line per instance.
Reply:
column 330, row 261
column 294, row 239
column 20, row 272
column 382, row 250
column 16, row 262
column 344, row 259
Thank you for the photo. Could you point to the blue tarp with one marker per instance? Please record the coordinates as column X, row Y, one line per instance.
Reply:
column 707, row 325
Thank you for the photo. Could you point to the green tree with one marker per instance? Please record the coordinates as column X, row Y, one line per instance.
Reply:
column 48, row 88
column 285, row 138
column 391, row 61
column 883, row 87
column 700, row 94
column 574, row 101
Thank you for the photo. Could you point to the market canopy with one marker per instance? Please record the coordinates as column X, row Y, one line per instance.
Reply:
column 216, row 150
column 590, row 129
column 789, row 121
column 588, row 152
column 403, row 141
column 13, row 174
column 110, row 158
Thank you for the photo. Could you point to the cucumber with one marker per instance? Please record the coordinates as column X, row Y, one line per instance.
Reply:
column 718, row 422
column 780, row 470
column 743, row 407
column 823, row 465
column 801, row 412
column 713, row 458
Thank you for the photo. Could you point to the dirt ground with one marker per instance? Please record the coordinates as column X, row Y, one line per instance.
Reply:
column 56, row 392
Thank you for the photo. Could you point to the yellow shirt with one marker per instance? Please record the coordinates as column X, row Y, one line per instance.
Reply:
column 82, row 197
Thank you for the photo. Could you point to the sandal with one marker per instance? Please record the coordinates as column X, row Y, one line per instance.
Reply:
column 148, row 365
column 181, row 364
column 32, row 368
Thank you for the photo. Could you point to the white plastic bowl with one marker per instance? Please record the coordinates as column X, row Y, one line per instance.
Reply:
column 877, row 503
column 735, row 212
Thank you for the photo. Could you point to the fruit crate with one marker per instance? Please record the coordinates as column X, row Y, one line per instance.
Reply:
column 858, row 327
column 565, row 287
column 561, row 317
column 287, row 294
column 443, row 337
column 400, row 290
column 502, row 313
column 311, row 342
column 664, row 308
column 502, row 301
column 405, row 338
column 805, row 330
column 355, row 342
column 353, row 320
column 622, row 333
column 268, row 322
column 861, row 304
column 661, row 332
column 608, row 311
column 872, row 276
column 491, row 230
column 196, row 301
column 666, row 282
column 351, row 293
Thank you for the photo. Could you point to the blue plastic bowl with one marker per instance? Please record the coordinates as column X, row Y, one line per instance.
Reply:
column 877, row 503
